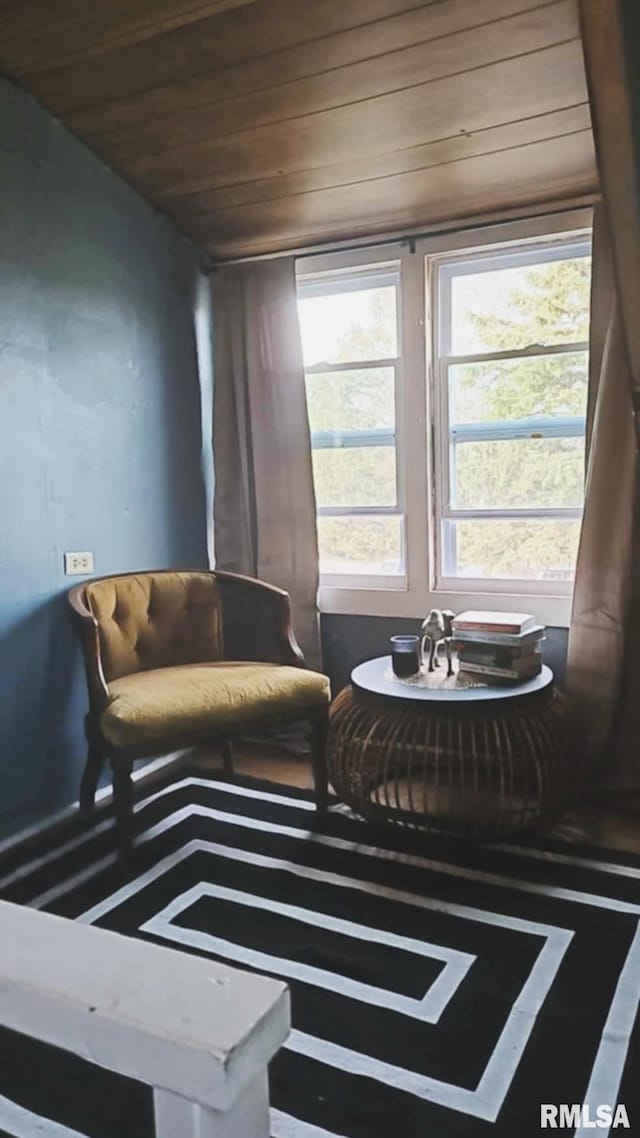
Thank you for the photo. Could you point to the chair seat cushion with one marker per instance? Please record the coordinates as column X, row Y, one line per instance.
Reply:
column 193, row 699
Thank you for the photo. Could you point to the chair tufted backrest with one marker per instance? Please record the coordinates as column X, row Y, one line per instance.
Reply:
column 156, row 620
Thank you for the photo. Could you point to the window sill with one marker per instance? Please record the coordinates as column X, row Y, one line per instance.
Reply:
column 414, row 604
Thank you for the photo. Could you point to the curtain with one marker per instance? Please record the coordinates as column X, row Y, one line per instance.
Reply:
column 611, row 43
column 264, row 503
column 603, row 662
column 603, row 572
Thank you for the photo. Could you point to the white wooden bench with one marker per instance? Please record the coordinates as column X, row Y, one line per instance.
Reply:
column 198, row 1032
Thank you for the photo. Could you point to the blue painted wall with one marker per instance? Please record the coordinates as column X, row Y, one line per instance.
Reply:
column 100, row 427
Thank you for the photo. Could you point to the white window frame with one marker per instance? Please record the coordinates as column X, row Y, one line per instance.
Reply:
column 443, row 270
column 350, row 278
column 421, row 589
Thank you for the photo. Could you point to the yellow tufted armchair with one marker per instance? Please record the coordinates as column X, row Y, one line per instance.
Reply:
column 176, row 658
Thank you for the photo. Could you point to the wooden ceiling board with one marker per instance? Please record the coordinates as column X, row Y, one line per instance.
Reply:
column 492, row 140
column 260, row 125
column 204, row 45
column 530, row 84
column 95, row 29
column 449, row 189
column 418, row 65
column 307, row 60
column 491, row 187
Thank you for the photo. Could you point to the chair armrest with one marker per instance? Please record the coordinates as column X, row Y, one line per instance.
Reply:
column 256, row 619
column 90, row 634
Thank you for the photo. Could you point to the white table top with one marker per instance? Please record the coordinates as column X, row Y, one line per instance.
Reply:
column 376, row 677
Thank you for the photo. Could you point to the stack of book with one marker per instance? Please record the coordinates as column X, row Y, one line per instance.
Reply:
column 499, row 645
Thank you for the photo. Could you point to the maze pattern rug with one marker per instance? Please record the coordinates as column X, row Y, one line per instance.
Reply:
column 438, row 988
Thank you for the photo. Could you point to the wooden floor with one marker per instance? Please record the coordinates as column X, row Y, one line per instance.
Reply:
column 613, row 825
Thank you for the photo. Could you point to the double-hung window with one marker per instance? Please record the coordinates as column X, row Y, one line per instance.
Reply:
column 350, row 334
column 446, row 384
column 510, row 330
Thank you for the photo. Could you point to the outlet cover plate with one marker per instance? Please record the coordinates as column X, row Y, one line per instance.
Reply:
column 78, row 564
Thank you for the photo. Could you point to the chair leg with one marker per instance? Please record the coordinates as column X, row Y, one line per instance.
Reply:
column 227, row 755
column 91, row 775
column 123, row 804
column 319, row 733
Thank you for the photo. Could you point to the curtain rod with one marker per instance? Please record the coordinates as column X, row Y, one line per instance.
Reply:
column 409, row 237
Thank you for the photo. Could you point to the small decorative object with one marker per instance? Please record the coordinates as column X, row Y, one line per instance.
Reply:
column 437, row 629
column 405, row 655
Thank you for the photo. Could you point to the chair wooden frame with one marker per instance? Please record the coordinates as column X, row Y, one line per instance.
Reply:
column 100, row 750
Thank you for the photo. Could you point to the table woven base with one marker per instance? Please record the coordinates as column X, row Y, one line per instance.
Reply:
column 476, row 770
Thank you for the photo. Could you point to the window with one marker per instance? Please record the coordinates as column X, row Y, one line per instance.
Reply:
column 349, row 324
column 446, row 386
column 510, row 373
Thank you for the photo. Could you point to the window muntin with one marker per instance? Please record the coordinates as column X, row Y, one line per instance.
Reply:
column 510, row 374
column 351, row 343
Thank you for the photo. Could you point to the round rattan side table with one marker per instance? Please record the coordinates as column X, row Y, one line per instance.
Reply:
column 480, row 760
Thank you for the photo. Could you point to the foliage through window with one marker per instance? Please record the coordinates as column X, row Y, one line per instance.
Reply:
column 350, row 336
column 511, row 330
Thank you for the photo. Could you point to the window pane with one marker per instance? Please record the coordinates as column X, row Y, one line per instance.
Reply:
column 349, row 326
column 355, row 476
column 357, row 544
column 525, row 549
column 527, row 304
column 538, row 386
column 351, row 400
column 519, row 474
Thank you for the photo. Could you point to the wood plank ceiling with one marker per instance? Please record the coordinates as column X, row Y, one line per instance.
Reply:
column 261, row 125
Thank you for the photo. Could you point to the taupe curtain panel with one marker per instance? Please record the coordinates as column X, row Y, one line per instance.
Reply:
column 264, row 503
column 604, row 663
column 611, row 45
column 601, row 603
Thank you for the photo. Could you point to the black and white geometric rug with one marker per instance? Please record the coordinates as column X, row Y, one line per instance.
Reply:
column 439, row 990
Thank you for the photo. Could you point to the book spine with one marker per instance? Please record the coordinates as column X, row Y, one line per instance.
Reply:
column 501, row 673
column 497, row 654
column 497, row 638
column 505, row 629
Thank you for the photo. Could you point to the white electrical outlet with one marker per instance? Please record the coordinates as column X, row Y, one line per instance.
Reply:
column 78, row 564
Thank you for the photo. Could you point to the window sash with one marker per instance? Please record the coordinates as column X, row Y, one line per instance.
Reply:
column 470, row 264
column 562, row 428
column 338, row 440
column 448, row 435
column 457, row 583
column 353, row 365
column 388, row 580
column 356, row 280
column 351, row 439
column 551, row 427
column 524, row 512
column 493, row 431
column 349, row 280
column 528, row 352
